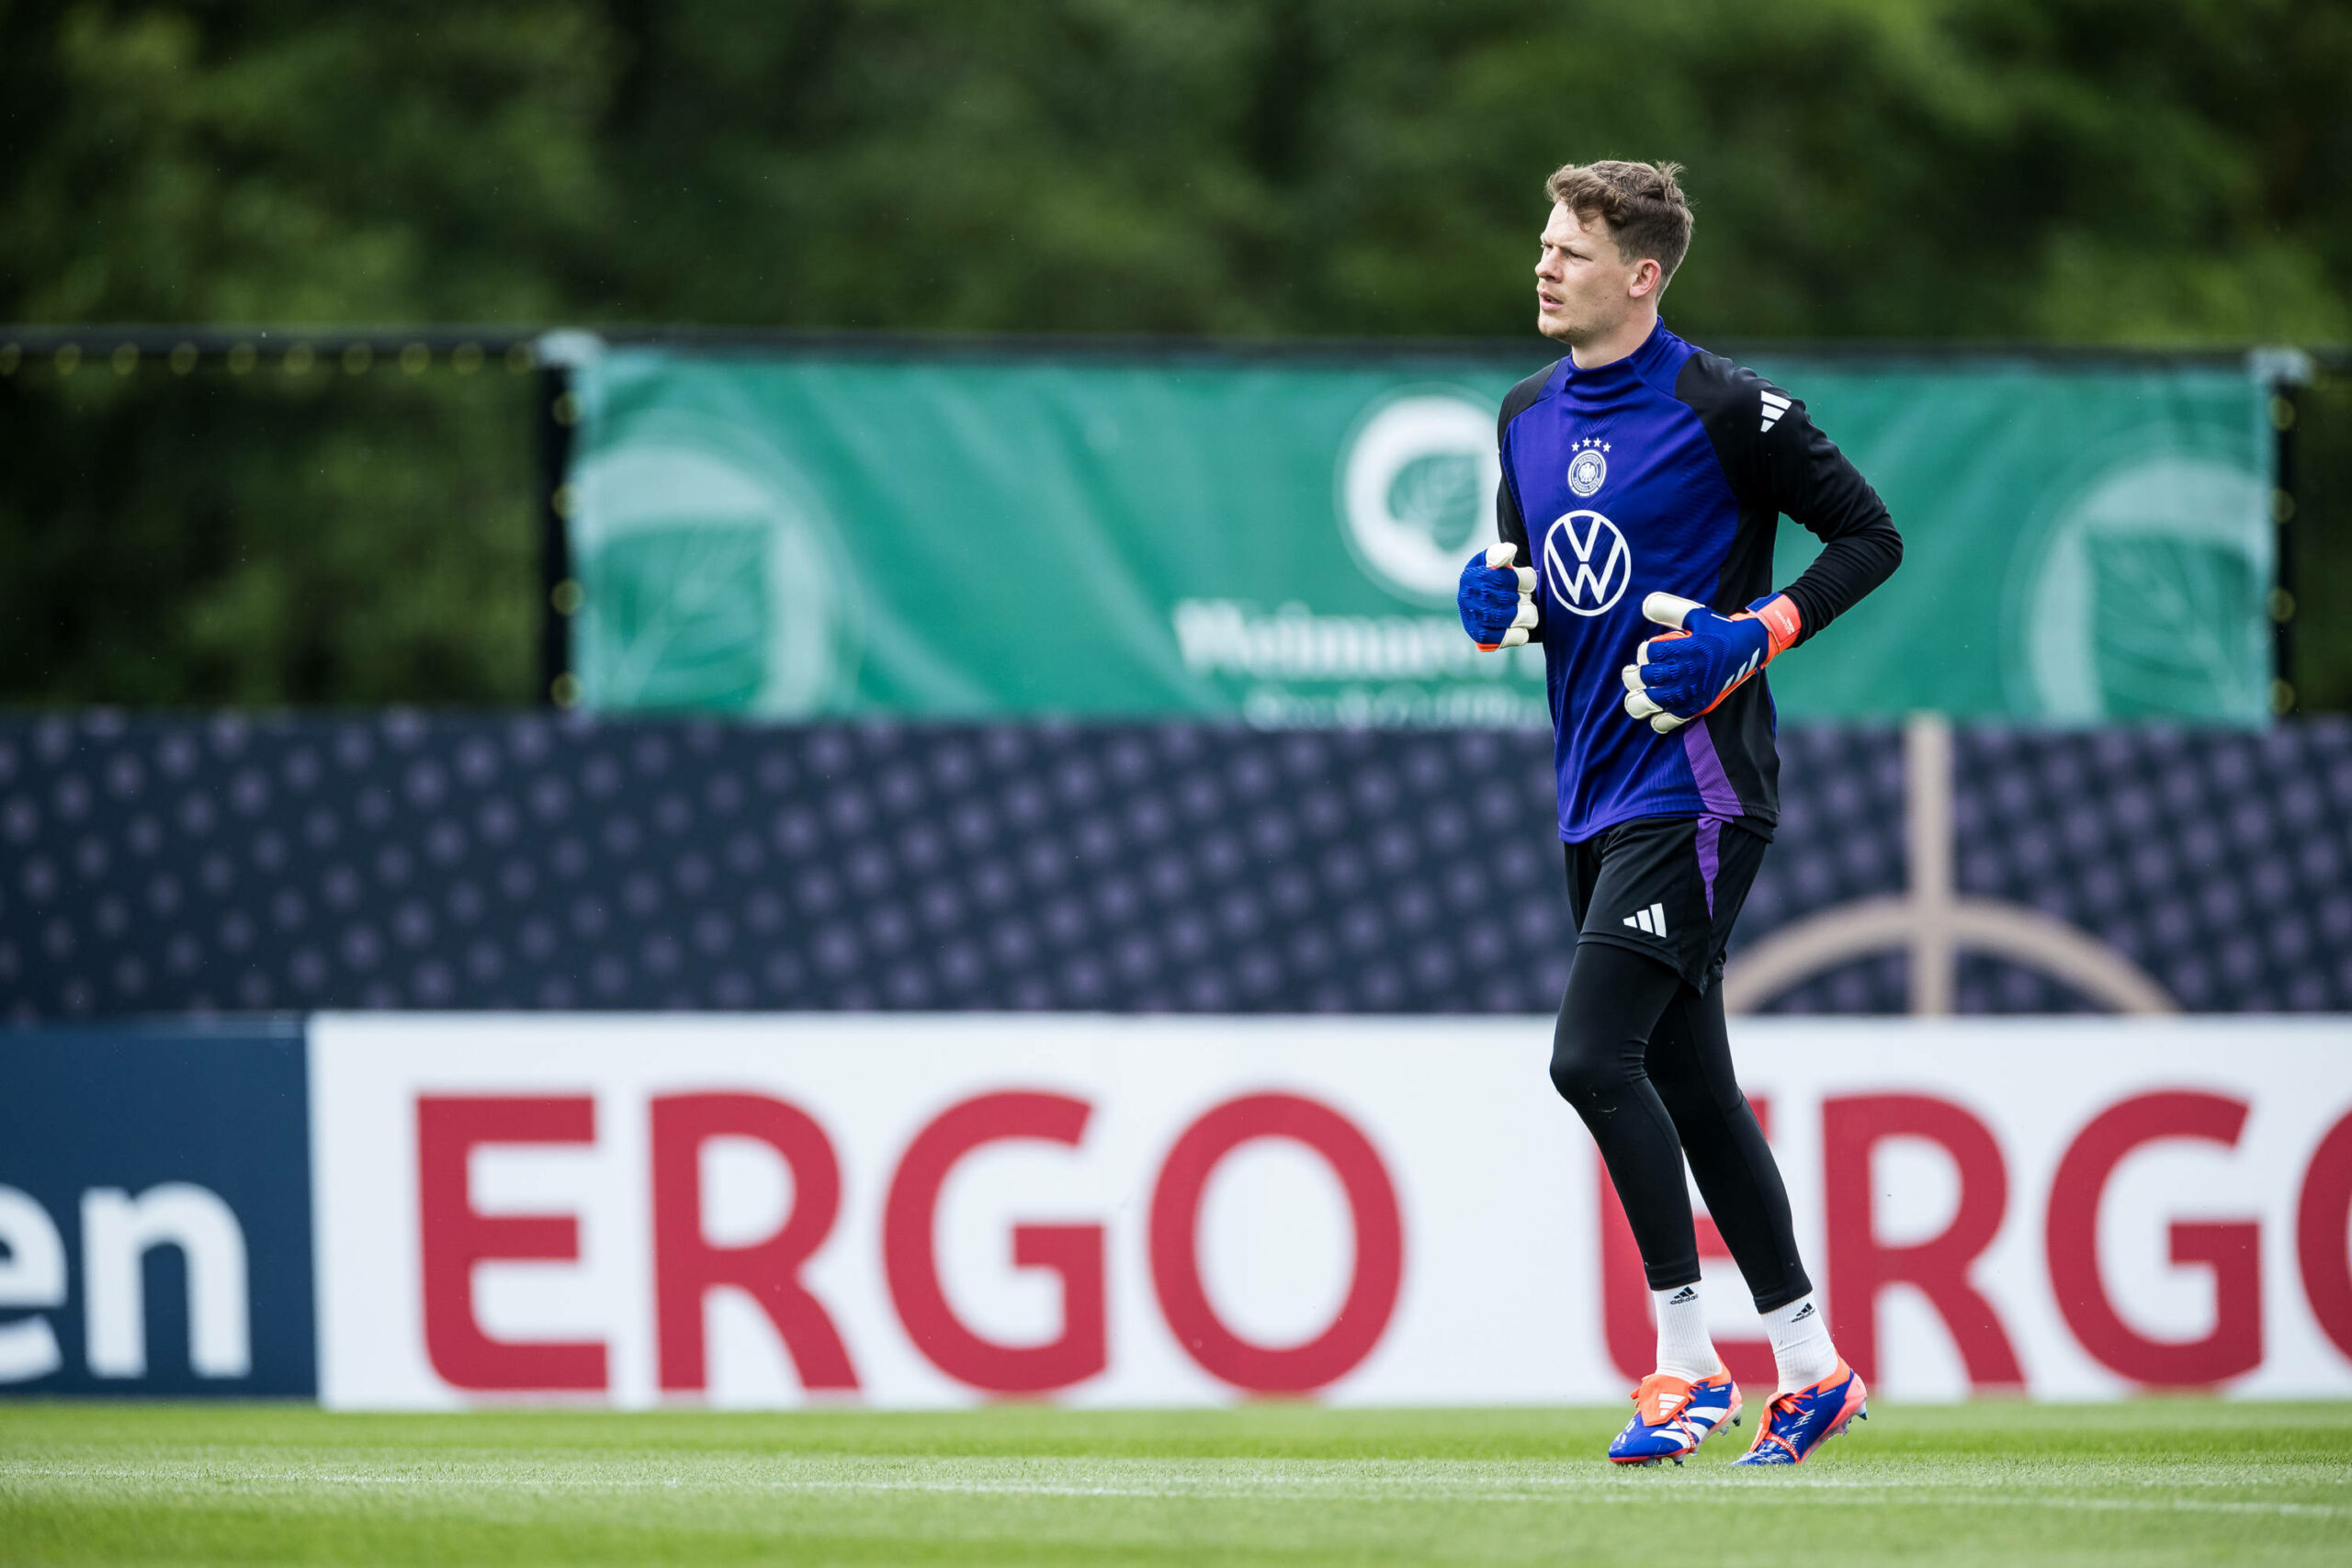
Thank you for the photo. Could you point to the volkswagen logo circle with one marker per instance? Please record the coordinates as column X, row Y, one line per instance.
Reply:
column 1603, row 562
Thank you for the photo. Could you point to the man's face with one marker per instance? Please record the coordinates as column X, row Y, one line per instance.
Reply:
column 1584, row 289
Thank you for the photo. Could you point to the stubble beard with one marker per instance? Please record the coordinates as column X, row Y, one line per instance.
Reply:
column 1564, row 329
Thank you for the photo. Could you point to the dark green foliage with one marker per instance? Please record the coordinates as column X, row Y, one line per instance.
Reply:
column 267, row 538
column 2322, row 535
column 2166, row 172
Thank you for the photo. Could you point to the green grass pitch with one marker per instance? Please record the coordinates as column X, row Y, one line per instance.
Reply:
column 2146, row 1482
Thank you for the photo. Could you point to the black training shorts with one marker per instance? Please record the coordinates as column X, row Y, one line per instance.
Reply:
column 1668, row 887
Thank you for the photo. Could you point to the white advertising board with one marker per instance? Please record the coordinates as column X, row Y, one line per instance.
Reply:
column 924, row 1211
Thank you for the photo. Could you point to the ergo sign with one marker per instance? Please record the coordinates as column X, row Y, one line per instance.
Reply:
column 1086, row 1208
column 1860, row 1265
column 688, row 1265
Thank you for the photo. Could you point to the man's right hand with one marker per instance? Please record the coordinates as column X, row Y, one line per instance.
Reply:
column 1497, row 598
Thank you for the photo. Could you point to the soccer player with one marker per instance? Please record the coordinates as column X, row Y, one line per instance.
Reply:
column 1643, row 479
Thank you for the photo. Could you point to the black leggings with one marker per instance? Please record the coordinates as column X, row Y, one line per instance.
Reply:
column 1647, row 1062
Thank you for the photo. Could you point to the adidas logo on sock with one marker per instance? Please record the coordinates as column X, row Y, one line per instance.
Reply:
column 1690, row 1293
column 1803, row 1313
column 1651, row 920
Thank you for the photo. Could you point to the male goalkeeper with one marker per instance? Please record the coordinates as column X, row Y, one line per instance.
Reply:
column 1643, row 479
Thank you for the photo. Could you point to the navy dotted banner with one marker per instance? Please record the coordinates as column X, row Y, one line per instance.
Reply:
column 228, row 865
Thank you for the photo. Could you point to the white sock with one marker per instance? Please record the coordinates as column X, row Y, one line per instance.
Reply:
column 1800, row 1347
column 1683, row 1348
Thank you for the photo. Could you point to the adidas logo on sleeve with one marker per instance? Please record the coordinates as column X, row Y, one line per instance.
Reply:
column 1775, row 405
column 1651, row 921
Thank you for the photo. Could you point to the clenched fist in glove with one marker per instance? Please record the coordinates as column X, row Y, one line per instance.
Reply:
column 1682, row 673
column 1497, row 598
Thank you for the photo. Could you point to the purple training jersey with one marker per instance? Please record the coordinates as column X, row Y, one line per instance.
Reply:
column 1669, row 471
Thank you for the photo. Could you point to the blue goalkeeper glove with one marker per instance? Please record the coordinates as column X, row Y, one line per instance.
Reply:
column 1496, row 599
column 1677, row 675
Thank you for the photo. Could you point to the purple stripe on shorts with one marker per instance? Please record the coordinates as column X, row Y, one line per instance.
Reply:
column 1707, row 768
column 1710, row 832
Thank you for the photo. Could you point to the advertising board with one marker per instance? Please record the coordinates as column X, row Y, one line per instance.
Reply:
column 930, row 1210
column 1275, row 538
column 937, row 1211
column 155, row 1212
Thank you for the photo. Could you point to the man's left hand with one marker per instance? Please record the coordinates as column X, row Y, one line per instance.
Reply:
column 1681, row 673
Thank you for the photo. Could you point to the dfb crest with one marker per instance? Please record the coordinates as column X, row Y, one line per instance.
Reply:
column 1588, row 466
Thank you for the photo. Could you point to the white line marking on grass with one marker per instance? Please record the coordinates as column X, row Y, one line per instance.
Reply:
column 742, row 1472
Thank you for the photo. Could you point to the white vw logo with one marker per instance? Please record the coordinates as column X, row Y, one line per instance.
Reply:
column 1603, row 563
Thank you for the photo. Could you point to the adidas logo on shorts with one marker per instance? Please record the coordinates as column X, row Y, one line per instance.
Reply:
column 1651, row 920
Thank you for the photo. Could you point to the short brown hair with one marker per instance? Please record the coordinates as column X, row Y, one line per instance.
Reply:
column 1644, row 207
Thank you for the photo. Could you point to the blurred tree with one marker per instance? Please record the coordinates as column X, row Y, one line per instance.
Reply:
column 2165, row 172
column 267, row 538
column 277, row 538
column 2322, row 546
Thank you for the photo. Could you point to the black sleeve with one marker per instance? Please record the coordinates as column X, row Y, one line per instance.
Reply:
column 1509, row 526
column 1779, row 461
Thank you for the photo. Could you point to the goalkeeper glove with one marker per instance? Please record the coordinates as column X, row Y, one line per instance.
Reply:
column 1496, row 599
column 1680, row 674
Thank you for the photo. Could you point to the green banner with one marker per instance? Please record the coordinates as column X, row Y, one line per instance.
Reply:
column 1276, row 538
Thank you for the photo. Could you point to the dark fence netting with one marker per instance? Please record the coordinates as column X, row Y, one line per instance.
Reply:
column 170, row 866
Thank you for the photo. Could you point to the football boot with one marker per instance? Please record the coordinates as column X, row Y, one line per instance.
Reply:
column 1673, row 1416
column 1796, row 1423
